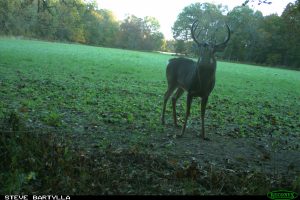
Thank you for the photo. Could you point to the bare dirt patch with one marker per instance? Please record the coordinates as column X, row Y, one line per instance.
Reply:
column 264, row 154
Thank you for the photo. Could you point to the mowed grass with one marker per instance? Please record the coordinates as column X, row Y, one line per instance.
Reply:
column 97, row 84
column 110, row 97
column 75, row 86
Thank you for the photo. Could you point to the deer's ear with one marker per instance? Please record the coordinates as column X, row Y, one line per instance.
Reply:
column 219, row 48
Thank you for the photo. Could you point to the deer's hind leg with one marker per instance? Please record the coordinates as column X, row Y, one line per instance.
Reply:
column 203, row 108
column 188, row 107
column 176, row 96
column 166, row 98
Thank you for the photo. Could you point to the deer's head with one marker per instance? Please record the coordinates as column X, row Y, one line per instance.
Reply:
column 207, row 49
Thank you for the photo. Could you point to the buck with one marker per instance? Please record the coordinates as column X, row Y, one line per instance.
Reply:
column 196, row 78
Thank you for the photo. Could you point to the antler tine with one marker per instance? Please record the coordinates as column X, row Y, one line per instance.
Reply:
column 193, row 30
column 228, row 37
column 213, row 37
column 199, row 32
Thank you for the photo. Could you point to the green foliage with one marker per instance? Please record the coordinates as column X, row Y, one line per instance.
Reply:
column 101, row 27
column 180, row 46
column 205, row 13
column 245, row 41
column 140, row 34
column 257, row 1
column 52, row 119
column 291, row 18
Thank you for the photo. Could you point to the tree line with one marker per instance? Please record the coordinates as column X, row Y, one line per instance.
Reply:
column 78, row 21
column 271, row 40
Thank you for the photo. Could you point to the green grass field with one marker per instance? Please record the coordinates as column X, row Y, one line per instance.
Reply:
column 102, row 99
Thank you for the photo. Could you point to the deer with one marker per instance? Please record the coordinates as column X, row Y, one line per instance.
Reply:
column 196, row 78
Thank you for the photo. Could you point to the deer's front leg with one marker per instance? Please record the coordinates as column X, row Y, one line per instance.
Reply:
column 203, row 108
column 188, row 107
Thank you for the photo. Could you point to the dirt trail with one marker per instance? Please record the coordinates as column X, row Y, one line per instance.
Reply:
column 247, row 154
column 255, row 154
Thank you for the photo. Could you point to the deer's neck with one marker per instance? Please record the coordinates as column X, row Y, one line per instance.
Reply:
column 206, row 68
column 204, row 79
